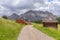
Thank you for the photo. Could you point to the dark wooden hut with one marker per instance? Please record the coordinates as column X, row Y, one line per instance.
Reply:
column 50, row 22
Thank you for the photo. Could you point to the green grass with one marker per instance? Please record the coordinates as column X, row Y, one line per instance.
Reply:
column 9, row 30
column 49, row 31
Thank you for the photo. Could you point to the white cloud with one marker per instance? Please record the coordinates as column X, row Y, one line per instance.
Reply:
column 56, row 5
column 53, row 6
column 16, row 2
column 3, row 1
column 44, row 7
column 4, row 11
column 23, row 11
column 37, row 5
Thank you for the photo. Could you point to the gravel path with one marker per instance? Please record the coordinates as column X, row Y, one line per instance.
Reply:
column 31, row 33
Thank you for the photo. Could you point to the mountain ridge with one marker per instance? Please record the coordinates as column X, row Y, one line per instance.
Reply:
column 33, row 15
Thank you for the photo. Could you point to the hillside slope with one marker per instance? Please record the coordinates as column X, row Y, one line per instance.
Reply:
column 49, row 31
column 9, row 29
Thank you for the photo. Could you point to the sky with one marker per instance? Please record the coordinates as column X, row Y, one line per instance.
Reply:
column 7, row 7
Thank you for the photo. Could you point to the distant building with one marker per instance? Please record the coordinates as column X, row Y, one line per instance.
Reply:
column 23, row 22
column 50, row 21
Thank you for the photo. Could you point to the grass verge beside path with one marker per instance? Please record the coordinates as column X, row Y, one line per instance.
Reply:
column 49, row 31
column 9, row 30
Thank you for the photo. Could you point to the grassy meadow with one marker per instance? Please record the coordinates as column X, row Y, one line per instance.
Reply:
column 49, row 31
column 9, row 30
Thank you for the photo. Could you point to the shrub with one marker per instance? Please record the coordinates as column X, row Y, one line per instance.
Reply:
column 5, row 17
column 39, row 21
column 58, row 19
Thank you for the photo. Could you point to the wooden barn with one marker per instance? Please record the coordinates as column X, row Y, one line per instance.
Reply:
column 50, row 22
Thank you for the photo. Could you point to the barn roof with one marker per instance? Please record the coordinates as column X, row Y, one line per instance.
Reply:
column 49, row 19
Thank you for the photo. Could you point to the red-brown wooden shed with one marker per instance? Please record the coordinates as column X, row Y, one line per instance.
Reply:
column 21, row 21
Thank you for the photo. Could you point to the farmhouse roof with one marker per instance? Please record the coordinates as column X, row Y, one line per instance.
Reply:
column 49, row 19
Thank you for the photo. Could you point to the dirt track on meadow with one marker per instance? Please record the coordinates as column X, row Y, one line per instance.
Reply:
column 31, row 33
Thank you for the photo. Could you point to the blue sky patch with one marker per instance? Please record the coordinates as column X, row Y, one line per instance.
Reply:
column 50, row 0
